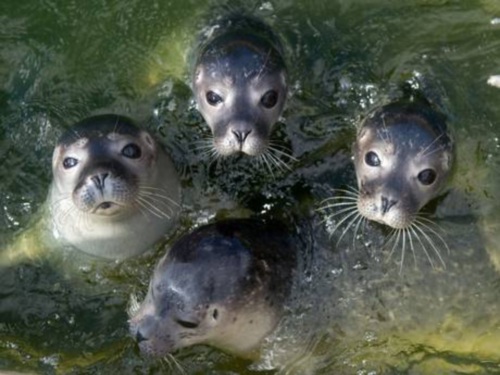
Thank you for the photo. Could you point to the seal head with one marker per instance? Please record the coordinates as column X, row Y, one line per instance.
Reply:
column 114, row 191
column 403, row 156
column 224, row 285
column 240, row 86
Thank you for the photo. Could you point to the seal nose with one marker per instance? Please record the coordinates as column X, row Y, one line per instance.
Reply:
column 99, row 180
column 139, row 337
column 241, row 135
column 387, row 204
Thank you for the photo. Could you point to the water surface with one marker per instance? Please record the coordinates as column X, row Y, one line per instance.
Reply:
column 353, row 309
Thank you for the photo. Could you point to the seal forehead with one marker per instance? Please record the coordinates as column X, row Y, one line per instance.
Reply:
column 240, row 56
column 98, row 127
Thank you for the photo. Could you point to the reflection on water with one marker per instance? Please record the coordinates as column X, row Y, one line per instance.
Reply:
column 351, row 310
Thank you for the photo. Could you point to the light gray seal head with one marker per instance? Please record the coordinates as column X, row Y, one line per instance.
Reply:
column 115, row 191
column 403, row 157
column 225, row 285
column 240, row 86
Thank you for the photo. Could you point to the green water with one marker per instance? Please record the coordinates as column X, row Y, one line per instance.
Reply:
column 352, row 310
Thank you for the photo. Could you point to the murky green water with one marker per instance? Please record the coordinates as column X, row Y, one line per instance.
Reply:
column 352, row 310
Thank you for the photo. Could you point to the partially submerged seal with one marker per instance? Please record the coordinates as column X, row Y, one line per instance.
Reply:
column 115, row 191
column 225, row 285
column 403, row 156
column 240, row 85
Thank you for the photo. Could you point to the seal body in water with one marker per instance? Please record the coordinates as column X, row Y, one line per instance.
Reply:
column 240, row 85
column 115, row 191
column 223, row 285
column 403, row 157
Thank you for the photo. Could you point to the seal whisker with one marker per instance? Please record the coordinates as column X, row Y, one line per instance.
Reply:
column 433, row 231
column 339, row 198
column 429, row 240
column 348, row 227
column 424, row 153
column 395, row 233
column 160, row 202
column 263, row 162
column 150, row 207
column 346, row 217
column 280, row 164
column 282, row 153
column 361, row 219
column 133, row 305
column 166, row 360
column 331, row 218
column 412, row 228
column 411, row 246
column 176, row 363
column 337, row 204
column 160, row 197
column 351, row 191
column 403, row 249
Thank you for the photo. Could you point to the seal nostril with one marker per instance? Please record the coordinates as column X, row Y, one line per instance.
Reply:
column 139, row 337
column 99, row 180
column 387, row 204
column 241, row 136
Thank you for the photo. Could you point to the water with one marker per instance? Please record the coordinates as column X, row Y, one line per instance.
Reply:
column 352, row 310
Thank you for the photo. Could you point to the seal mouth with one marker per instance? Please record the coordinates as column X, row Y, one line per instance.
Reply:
column 107, row 208
column 104, row 206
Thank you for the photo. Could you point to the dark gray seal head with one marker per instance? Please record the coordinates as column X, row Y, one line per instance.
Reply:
column 115, row 191
column 403, row 157
column 225, row 285
column 240, row 85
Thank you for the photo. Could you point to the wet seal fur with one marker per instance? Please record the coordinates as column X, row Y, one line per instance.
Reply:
column 115, row 191
column 224, row 285
column 240, row 85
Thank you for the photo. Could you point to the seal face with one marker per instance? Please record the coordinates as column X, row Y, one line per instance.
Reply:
column 223, row 285
column 240, row 86
column 403, row 156
column 114, row 191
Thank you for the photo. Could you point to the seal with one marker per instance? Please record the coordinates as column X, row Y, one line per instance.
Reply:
column 115, row 191
column 223, row 285
column 240, row 85
column 403, row 158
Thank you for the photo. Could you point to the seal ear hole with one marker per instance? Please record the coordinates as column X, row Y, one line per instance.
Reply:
column 187, row 324
column 427, row 176
column 132, row 151
column 372, row 159
column 213, row 99
column 148, row 140
column 69, row 162
column 269, row 99
column 215, row 314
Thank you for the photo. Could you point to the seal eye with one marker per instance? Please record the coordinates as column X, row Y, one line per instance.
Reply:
column 69, row 163
column 213, row 99
column 372, row 159
column 131, row 151
column 269, row 99
column 427, row 176
column 187, row 324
